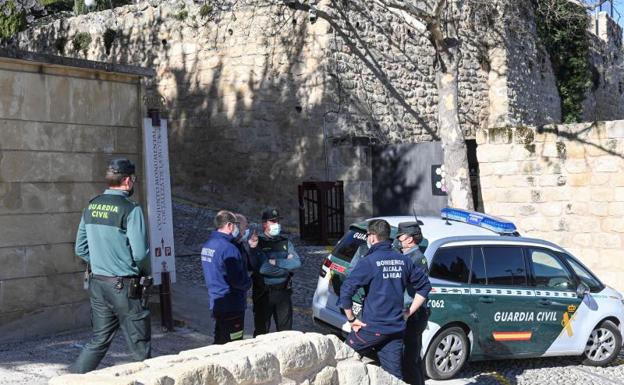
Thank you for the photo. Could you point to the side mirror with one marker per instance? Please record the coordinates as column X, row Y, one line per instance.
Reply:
column 582, row 289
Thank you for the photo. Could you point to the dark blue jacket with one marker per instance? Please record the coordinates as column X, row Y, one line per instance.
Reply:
column 225, row 273
column 385, row 275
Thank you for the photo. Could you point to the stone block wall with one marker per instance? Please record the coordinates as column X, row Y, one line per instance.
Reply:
column 58, row 128
column 285, row 358
column 258, row 96
column 561, row 183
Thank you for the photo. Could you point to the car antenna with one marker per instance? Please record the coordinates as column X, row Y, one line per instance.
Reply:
column 446, row 220
column 416, row 217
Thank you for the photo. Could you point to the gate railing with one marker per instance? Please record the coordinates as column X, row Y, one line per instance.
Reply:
column 321, row 211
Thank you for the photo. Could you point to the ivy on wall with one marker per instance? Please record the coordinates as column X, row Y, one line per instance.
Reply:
column 562, row 28
column 11, row 20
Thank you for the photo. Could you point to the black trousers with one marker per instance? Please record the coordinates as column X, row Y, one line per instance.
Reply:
column 412, row 363
column 276, row 304
column 228, row 327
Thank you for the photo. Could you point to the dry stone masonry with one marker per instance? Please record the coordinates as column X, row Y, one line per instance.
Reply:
column 284, row 358
column 255, row 89
column 563, row 183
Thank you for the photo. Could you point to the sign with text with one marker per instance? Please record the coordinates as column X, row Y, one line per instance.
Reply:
column 159, row 214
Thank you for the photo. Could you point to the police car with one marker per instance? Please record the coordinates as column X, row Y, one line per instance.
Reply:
column 494, row 294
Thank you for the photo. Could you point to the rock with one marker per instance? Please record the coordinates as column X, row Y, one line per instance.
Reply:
column 352, row 372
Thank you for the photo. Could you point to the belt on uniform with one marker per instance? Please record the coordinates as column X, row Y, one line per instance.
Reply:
column 112, row 279
column 279, row 286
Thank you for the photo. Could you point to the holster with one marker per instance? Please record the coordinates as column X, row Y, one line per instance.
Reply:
column 134, row 288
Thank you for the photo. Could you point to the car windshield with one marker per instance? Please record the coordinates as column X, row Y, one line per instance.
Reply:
column 353, row 244
column 584, row 274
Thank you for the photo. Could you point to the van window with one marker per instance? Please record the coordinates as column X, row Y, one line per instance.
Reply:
column 548, row 271
column 584, row 274
column 451, row 264
column 352, row 243
column 504, row 266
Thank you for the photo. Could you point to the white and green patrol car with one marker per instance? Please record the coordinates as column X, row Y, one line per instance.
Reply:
column 494, row 294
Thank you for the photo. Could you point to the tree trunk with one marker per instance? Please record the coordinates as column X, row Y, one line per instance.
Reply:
column 457, row 178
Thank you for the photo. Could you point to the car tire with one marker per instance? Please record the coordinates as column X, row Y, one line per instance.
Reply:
column 447, row 354
column 603, row 345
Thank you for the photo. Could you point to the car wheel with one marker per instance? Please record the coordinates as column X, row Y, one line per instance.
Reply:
column 447, row 354
column 603, row 345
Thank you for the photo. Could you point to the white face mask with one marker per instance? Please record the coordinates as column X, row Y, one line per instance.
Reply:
column 275, row 229
column 235, row 232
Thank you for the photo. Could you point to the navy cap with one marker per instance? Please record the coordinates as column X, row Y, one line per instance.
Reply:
column 409, row 228
column 121, row 166
column 270, row 214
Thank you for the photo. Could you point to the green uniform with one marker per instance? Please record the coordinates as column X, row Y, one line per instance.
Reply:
column 112, row 237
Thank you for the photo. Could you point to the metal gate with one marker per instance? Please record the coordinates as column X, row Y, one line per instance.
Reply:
column 321, row 211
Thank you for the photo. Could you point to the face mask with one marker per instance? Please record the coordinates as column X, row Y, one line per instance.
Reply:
column 275, row 229
column 246, row 235
column 130, row 192
column 235, row 232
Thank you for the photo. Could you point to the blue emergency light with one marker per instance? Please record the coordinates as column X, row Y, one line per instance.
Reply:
column 489, row 222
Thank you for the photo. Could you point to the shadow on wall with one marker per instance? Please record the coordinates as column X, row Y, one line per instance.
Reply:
column 256, row 94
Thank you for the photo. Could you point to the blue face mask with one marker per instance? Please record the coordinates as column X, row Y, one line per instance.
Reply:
column 275, row 229
column 245, row 235
column 235, row 232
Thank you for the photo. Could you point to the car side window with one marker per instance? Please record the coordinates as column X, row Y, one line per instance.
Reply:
column 451, row 264
column 352, row 243
column 478, row 268
column 548, row 270
column 584, row 274
column 504, row 266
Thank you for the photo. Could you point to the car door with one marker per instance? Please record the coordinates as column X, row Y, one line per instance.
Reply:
column 449, row 299
column 557, row 301
column 505, row 303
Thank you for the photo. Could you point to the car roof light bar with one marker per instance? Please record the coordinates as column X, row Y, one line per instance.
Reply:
column 489, row 222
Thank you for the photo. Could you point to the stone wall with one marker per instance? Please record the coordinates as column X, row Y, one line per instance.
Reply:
column 259, row 96
column 58, row 127
column 561, row 183
column 605, row 99
column 286, row 358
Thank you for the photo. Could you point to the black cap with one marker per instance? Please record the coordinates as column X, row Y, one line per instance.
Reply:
column 270, row 214
column 409, row 228
column 121, row 166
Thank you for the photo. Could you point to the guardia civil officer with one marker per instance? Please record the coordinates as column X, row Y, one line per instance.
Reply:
column 225, row 272
column 410, row 235
column 385, row 275
column 275, row 259
column 112, row 238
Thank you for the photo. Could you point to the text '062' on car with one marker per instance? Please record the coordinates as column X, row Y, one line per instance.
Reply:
column 494, row 294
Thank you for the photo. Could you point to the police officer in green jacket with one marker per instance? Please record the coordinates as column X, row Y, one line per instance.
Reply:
column 410, row 235
column 112, row 239
column 274, row 261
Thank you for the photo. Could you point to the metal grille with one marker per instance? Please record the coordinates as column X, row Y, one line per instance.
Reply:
column 321, row 211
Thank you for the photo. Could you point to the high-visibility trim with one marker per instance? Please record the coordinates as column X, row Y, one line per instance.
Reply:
column 512, row 336
column 337, row 267
column 501, row 291
column 236, row 335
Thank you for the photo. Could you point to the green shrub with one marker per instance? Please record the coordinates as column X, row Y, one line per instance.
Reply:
column 81, row 42
column 562, row 28
column 11, row 22
column 205, row 10
column 182, row 15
